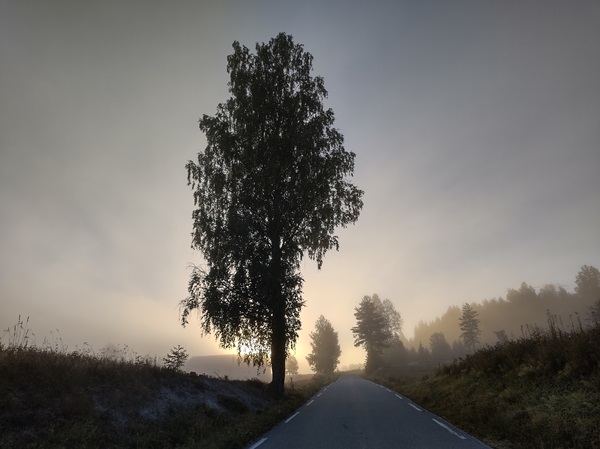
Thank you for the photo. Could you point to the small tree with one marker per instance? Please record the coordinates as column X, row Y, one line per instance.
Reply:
column 176, row 358
column 469, row 325
column 291, row 365
column 325, row 354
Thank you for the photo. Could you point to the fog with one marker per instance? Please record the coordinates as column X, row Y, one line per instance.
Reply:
column 475, row 128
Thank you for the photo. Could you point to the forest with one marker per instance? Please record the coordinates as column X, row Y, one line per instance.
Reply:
column 521, row 314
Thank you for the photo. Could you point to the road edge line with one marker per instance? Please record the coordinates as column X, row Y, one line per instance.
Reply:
column 462, row 437
column 258, row 443
column 292, row 417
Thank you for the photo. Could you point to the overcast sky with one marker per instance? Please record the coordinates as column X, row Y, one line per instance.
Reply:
column 476, row 128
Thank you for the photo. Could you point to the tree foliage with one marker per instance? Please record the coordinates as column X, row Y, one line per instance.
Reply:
column 325, row 354
column 394, row 354
column 291, row 365
column 588, row 283
column 469, row 325
column 270, row 187
column 393, row 318
column 439, row 346
column 376, row 327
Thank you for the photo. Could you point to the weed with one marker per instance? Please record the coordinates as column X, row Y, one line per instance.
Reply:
column 19, row 336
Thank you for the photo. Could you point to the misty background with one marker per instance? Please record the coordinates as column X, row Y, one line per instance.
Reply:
column 476, row 126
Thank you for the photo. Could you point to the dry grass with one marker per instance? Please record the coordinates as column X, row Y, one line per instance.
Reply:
column 51, row 398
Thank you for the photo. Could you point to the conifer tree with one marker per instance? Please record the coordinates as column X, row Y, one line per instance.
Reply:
column 469, row 325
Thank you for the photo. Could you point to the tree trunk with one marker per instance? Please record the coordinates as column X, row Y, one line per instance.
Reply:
column 278, row 345
column 278, row 322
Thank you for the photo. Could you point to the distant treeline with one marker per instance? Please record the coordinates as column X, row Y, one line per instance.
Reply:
column 522, row 313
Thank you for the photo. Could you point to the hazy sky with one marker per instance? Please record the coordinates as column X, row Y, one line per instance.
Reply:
column 476, row 128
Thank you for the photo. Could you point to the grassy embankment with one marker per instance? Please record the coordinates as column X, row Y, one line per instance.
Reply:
column 537, row 392
column 55, row 399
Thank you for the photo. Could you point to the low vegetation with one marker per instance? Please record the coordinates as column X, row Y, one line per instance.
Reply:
column 51, row 398
column 541, row 391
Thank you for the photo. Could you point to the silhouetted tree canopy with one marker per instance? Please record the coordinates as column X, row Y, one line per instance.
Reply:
column 439, row 346
column 325, row 354
column 270, row 187
column 588, row 283
column 372, row 330
column 291, row 365
column 394, row 354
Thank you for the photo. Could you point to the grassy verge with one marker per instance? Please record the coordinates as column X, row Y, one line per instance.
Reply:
column 539, row 392
column 53, row 399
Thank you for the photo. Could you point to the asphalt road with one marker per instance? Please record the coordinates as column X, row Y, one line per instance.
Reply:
column 354, row 413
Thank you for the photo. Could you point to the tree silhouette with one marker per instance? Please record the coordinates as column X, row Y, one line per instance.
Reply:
column 176, row 358
column 394, row 354
column 291, row 365
column 392, row 316
column 440, row 348
column 372, row 331
column 270, row 187
column 325, row 354
column 588, row 283
column 469, row 325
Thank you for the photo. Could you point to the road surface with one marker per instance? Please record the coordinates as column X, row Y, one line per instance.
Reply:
column 354, row 413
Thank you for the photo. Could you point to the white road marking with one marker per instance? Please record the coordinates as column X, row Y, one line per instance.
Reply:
column 258, row 443
column 310, row 402
column 415, row 407
column 291, row 417
column 398, row 396
column 449, row 429
column 389, row 391
column 319, row 394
